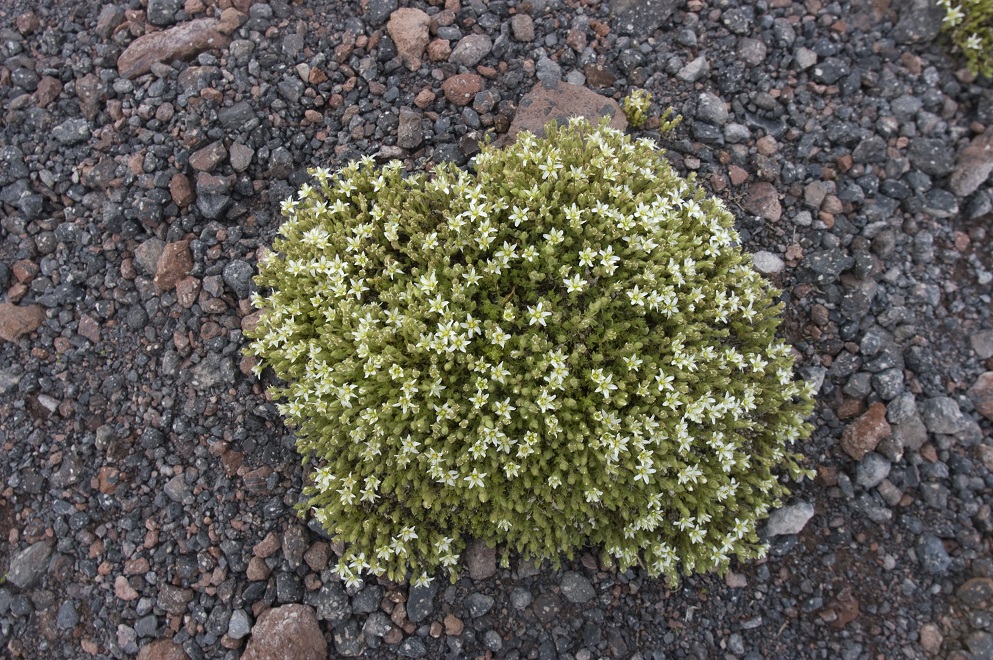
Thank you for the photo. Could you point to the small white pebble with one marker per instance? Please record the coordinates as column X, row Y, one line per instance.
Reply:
column 767, row 263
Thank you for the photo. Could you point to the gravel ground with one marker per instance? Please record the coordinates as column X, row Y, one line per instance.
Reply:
column 147, row 481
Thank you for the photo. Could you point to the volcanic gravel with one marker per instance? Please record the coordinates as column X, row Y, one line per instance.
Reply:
column 147, row 483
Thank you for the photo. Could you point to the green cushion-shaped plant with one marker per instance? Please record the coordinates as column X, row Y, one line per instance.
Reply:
column 969, row 23
column 564, row 348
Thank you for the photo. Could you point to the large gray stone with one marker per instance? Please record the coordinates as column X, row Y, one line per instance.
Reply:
column 641, row 17
column 789, row 520
column 29, row 565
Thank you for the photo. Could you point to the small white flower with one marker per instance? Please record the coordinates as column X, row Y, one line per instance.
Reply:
column 475, row 479
column 537, row 314
column 587, row 256
column 574, row 284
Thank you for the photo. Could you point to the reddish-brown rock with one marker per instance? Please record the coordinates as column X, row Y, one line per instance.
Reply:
column 15, row 322
column 208, row 158
column 177, row 43
column 123, row 589
column 976, row 593
column 231, row 20
column 48, row 90
column 424, row 99
column 162, row 649
column 981, row 394
column 559, row 101
column 290, row 631
column 410, row 30
column 175, row 263
column 461, row 89
column 866, row 432
column 974, row 165
column 439, row 50
column 762, row 200
column 181, row 190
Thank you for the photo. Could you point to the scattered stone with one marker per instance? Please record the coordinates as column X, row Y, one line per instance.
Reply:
column 932, row 555
column 124, row 590
column 288, row 631
column 973, row 166
column 577, row 588
column 412, row 647
column 976, row 593
column 378, row 11
column 68, row 616
column 177, row 43
column 931, row 156
column 641, row 17
column 162, row 649
column 409, row 132
column 240, row 156
column 762, row 199
column 920, row 21
column 208, row 158
column 522, row 27
column 238, row 276
column 410, row 31
column 931, row 638
column 72, row 131
column 180, row 190
column 420, row 602
column 461, row 89
column 694, row 70
column 27, row 566
column 481, row 560
column 470, row 50
column 162, row 12
column 981, row 394
column 866, row 433
column 942, row 415
column 872, row 469
column 173, row 600
column 478, row 604
column 790, row 519
column 239, row 625
column 711, row 109
column 175, row 263
column 49, row 89
column 559, row 101
column 768, row 263
column 17, row 321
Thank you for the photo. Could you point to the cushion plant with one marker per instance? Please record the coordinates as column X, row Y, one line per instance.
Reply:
column 564, row 348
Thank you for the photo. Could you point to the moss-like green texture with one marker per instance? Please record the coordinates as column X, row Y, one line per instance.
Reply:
column 969, row 23
column 565, row 348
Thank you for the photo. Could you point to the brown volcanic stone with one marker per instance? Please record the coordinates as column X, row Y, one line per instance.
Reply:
column 410, row 30
column 48, row 90
column 208, row 158
column 290, row 631
column 762, row 200
column 461, row 89
column 181, row 190
column 866, row 432
column 15, row 322
column 177, row 43
column 162, row 649
column 981, row 394
column 974, row 165
column 559, row 101
column 175, row 263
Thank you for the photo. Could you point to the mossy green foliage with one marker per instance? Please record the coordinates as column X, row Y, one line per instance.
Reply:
column 969, row 23
column 635, row 106
column 564, row 348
